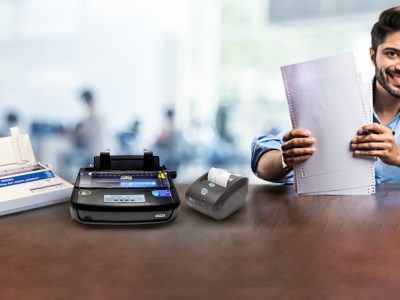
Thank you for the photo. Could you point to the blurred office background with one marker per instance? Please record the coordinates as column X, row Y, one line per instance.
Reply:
column 193, row 80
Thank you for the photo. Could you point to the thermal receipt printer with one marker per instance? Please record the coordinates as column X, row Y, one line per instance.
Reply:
column 25, row 183
column 124, row 190
column 217, row 193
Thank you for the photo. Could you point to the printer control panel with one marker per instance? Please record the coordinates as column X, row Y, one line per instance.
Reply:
column 124, row 198
column 136, row 198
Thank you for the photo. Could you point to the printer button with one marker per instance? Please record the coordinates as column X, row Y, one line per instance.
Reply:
column 204, row 191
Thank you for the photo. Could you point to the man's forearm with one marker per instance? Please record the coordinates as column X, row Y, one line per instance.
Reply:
column 270, row 167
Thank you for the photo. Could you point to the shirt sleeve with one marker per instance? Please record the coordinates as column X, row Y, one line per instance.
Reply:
column 263, row 144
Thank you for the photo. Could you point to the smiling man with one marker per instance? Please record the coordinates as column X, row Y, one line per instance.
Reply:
column 273, row 157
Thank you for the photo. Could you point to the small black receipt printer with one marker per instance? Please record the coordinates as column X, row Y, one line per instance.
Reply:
column 124, row 190
column 217, row 193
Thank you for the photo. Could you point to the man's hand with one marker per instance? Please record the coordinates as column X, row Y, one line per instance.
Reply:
column 296, row 147
column 375, row 140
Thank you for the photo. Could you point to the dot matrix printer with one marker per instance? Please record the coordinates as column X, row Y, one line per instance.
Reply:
column 124, row 190
column 25, row 183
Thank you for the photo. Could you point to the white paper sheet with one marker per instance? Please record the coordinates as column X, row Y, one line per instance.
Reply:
column 325, row 96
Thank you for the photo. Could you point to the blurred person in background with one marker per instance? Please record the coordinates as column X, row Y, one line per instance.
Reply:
column 128, row 140
column 11, row 120
column 86, row 139
column 88, row 135
column 223, row 153
column 169, row 144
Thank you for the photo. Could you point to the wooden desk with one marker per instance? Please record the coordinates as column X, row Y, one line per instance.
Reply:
column 280, row 246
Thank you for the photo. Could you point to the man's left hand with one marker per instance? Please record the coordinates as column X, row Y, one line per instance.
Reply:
column 375, row 140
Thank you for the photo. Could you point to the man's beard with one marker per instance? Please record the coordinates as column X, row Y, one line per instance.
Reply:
column 395, row 92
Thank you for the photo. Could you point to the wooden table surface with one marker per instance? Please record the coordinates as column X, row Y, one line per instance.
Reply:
column 279, row 246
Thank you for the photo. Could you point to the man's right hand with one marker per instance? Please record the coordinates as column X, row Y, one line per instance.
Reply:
column 296, row 147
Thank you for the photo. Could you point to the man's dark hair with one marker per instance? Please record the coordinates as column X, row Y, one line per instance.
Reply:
column 388, row 22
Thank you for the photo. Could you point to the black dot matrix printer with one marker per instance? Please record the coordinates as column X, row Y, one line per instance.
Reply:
column 124, row 190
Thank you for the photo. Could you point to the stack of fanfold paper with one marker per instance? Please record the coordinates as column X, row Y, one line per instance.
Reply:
column 326, row 97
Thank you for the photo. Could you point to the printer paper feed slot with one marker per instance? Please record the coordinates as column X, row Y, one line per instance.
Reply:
column 15, row 139
column 219, row 176
column 7, row 156
column 15, row 153
column 123, row 179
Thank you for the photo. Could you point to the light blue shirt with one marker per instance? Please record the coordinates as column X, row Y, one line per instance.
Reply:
column 383, row 173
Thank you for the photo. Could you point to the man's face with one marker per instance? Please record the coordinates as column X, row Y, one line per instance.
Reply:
column 387, row 64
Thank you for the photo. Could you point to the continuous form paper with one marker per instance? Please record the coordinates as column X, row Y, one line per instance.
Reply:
column 346, row 177
column 325, row 97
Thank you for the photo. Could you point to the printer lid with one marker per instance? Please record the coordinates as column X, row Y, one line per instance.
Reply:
column 16, row 153
column 124, row 171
